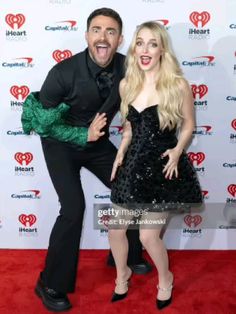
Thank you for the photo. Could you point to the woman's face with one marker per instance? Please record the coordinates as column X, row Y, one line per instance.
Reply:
column 148, row 50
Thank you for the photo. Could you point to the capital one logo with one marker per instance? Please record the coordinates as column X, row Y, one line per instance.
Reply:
column 204, row 193
column 209, row 59
column 23, row 158
column 199, row 18
column 196, row 157
column 15, row 21
column 59, row 55
column 233, row 124
column 164, row 22
column 201, row 90
column 116, row 129
column 203, row 128
column 19, row 91
column 72, row 23
column 27, row 220
column 232, row 189
column 28, row 60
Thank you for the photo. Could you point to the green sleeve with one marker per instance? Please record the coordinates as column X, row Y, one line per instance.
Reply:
column 50, row 122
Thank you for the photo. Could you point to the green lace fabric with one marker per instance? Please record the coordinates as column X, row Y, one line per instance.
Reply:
column 50, row 122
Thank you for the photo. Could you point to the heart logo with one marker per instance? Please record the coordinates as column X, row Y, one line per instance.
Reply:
column 233, row 124
column 192, row 220
column 105, row 219
column 196, row 157
column 59, row 55
column 20, row 91
column 25, row 158
column 27, row 220
column 197, row 18
column 15, row 21
column 232, row 189
column 201, row 90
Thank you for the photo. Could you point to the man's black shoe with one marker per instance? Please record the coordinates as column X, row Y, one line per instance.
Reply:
column 110, row 261
column 143, row 267
column 52, row 300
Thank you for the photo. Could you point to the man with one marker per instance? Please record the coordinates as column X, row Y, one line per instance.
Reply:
column 88, row 82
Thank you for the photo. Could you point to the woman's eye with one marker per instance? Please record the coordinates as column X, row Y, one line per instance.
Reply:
column 138, row 43
column 154, row 45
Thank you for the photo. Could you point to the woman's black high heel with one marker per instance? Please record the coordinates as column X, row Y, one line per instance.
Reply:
column 124, row 284
column 164, row 303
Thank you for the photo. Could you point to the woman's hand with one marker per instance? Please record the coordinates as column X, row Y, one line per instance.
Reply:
column 171, row 167
column 117, row 163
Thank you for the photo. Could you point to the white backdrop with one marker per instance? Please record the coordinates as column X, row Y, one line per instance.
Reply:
column 34, row 35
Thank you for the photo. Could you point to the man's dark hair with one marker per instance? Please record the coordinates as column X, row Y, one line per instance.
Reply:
column 105, row 12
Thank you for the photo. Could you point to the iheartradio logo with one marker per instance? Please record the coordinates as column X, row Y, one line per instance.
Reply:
column 201, row 90
column 192, row 220
column 196, row 157
column 232, row 189
column 23, row 158
column 105, row 220
column 233, row 124
column 20, row 91
column 59, row 55
column 199, row 18
column 27, row 220
column 15, row 21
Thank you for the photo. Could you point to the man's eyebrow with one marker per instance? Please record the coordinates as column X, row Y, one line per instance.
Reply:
column 108, row 28
column 111, row 29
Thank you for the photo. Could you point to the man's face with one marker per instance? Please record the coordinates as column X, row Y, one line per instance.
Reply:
column 103, row 38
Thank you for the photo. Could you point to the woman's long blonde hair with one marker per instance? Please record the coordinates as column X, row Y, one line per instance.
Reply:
column 168, row 84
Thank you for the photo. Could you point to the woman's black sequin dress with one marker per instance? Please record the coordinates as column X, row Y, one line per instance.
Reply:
column 140, row 181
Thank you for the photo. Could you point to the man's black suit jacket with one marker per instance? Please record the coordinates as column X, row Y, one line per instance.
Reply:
column 70, row 81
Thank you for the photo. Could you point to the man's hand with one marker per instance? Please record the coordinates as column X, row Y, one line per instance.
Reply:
column 94, row 131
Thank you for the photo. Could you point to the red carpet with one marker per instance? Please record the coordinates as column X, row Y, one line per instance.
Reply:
column 205, row 282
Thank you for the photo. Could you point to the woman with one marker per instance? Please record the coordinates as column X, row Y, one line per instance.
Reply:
column 151, row 170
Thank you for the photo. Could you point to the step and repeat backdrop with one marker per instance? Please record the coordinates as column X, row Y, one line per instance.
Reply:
column 35, row 35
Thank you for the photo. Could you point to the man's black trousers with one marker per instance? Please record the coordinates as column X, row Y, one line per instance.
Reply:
column 64, row 162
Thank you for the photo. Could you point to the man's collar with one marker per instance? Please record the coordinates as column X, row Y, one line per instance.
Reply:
column 95, row 69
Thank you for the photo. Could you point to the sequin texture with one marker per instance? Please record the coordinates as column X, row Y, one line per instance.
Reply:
column 139, row 180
